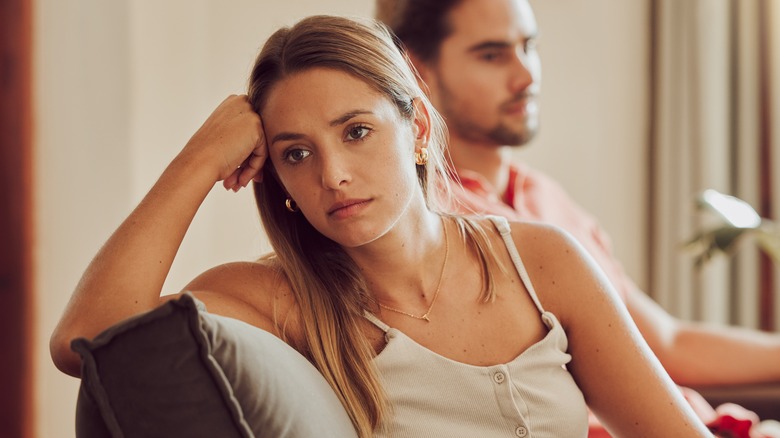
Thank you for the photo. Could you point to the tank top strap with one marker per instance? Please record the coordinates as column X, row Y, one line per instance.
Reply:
column 376, row 321
column 506, row 233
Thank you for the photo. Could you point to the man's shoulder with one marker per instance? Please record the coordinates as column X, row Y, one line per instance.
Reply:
column 534, row 186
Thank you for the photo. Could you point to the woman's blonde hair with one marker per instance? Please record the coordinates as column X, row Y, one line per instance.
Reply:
column 327, row 285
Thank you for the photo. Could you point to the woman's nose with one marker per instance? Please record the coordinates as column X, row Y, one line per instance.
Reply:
column 335, row 172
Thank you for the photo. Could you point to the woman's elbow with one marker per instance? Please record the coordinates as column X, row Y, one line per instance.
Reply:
column 65, row 359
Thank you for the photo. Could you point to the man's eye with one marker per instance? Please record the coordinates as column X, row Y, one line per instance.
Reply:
column 357, row 132
column 296, row 155
column 530, row 45
column 491, row 56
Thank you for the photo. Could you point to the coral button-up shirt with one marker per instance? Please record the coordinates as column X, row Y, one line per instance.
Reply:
column 534, row 196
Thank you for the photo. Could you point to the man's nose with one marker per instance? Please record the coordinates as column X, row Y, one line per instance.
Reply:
column 521, row 75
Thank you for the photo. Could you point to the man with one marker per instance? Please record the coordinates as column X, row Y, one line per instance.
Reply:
column 479, row 61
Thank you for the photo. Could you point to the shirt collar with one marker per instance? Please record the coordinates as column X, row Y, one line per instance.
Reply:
column 478, row 184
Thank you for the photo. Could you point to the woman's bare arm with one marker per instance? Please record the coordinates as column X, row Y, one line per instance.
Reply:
column 127, row 274
column 622, row 381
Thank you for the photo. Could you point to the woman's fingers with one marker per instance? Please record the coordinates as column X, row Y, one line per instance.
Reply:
column 232, row 139
column 231, row 182
column 253, row 168
column 227, row 139
column 250, row 170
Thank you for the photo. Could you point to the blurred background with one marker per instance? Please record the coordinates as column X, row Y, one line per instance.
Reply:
column 644, row 104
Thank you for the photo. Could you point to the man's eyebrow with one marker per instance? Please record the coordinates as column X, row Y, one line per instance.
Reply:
column 498, row 44
column 489, row 45
column 346, row 117
column 286, row 136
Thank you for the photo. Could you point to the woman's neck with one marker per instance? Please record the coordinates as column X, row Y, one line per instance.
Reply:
column 403, row 266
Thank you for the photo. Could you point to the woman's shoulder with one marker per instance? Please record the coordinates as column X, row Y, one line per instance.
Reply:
column 541, row 235
column 255, row 292
column 563, row 273
column 533, row 240
column 526, row 233
column 261, row 271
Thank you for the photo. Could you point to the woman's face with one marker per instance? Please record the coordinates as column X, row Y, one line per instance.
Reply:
column 344, row 154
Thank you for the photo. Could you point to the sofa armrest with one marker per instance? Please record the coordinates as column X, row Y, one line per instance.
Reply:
column 181, row 371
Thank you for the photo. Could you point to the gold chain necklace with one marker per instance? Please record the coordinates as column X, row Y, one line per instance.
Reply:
column 424, row 317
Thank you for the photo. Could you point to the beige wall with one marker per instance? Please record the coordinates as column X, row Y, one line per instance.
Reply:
column 594, row 106
column 120, row 87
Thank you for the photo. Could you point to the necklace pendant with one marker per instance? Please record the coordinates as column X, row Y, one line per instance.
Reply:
column 438, row 285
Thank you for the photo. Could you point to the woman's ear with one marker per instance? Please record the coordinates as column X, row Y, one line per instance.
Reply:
column 421, row 124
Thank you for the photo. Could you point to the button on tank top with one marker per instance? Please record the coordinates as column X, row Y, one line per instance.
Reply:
column 433, row 396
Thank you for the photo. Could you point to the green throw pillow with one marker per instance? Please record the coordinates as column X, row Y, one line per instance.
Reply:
column 179, row 371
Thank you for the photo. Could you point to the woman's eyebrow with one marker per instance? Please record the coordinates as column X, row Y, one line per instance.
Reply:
column 282, row 136
column 346, row 117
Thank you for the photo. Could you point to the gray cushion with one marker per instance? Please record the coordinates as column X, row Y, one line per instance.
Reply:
column 181, row 371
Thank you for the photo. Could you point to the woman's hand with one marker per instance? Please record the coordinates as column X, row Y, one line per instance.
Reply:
column 232, row 140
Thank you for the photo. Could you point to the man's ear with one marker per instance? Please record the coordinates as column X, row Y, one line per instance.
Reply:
column 421, row 124
column 424, row 72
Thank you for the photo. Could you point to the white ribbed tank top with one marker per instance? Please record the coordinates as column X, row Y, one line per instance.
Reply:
column 433, row 396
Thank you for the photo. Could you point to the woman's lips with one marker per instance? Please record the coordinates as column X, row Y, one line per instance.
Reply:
column 348, row 208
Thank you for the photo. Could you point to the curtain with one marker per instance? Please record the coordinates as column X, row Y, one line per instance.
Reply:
column 16, row 215
column 714, row 107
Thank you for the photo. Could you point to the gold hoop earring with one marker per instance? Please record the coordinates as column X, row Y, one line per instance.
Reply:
column 292, row 207
column 421, row 158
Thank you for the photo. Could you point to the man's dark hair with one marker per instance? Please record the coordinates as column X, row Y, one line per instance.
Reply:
column 420, row 25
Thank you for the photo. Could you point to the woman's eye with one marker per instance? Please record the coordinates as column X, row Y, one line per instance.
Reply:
column 357, row 132
column 296, row 155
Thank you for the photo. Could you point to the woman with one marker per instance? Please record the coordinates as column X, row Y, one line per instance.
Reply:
column 424, row 324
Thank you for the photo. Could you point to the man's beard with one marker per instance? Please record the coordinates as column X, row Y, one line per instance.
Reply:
column 505, row 136
column 501, row 134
